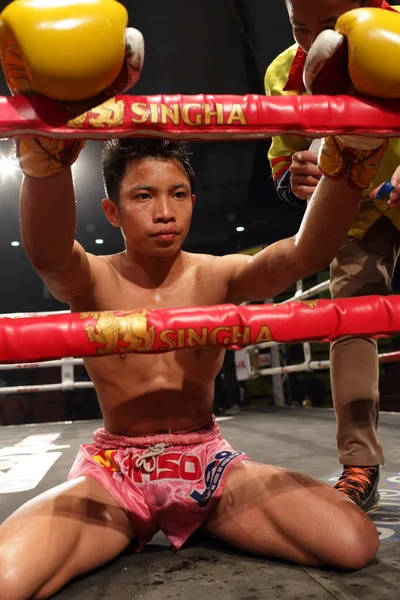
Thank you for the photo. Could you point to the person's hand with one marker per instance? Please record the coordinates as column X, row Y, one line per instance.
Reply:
column 305, row 174
column 390, row 188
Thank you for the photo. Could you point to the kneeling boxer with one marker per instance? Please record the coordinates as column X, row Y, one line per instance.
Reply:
column 160, row 462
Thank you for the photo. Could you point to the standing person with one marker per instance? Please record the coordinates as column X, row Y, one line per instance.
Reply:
column 364, row 265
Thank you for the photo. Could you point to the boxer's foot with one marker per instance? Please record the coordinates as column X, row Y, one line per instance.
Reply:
column 361, row 485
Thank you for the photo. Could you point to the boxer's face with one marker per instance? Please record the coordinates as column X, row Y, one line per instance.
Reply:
column 309, row 17
column 155, row 206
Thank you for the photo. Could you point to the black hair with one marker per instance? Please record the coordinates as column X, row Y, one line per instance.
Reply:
column 119, row 153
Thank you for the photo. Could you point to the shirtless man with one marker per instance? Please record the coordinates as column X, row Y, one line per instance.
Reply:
column 154, row 463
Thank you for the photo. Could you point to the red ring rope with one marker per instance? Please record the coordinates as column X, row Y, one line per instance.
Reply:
column 25, row 339
column 201, row 117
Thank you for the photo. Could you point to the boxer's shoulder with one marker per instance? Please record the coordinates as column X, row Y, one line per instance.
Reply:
column 226, row 268
column 197, row 259
column 107, row 263
column 212, row 261
column 200, row 266
column 210, row 273
column 106, row 272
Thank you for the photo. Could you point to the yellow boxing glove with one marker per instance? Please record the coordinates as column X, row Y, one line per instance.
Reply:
column 356, row 157
column 66, row 49
column 362, row 54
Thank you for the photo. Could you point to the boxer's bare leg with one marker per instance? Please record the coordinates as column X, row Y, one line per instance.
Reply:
column 62, row 533
column 278, row 513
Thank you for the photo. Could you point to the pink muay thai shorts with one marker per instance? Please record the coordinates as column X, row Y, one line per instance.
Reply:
column 170, row 482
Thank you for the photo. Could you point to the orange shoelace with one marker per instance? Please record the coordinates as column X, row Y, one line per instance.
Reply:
column 355, row 480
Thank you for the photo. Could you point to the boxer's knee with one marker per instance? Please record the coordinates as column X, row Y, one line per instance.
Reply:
column 355, row 543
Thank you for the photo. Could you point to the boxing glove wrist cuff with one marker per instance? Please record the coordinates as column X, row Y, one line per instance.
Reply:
column 41, row 157
column 342, row 156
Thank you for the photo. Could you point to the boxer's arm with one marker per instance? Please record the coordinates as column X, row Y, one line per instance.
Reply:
column 328, row 218
column 47, row 220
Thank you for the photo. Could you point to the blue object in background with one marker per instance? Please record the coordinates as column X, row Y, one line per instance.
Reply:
column 385, row 189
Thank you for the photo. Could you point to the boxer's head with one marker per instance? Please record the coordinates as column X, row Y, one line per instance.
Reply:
column 149, row 187
column 309, row 17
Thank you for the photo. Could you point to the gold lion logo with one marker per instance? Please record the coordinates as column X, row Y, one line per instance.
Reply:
column 109, row 114
column 120, row 333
